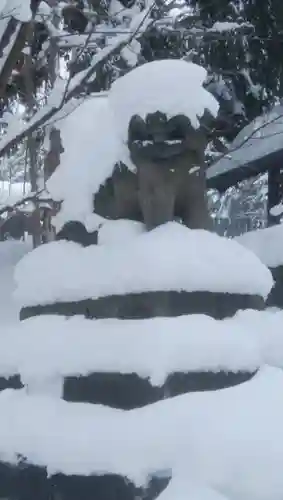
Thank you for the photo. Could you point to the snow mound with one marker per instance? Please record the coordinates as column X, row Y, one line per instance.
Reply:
column 267, row 327
column 42, row 348
column 119, row 231
column 182, row 488
column 267, row 244
column 191, row 434
column 171, row 86
column 172, row 257
column 90, row 144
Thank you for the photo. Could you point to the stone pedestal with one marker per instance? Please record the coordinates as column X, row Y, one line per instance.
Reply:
column 188, row 303
column 275, row 298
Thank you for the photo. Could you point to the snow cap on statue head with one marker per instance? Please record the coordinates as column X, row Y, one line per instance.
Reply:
column 171, row 86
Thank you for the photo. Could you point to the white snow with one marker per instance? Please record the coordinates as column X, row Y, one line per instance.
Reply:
column 2, row 5
column 182, row 488
column 258, row 139
column 45, row 347
column 277, row 210
column 171, row 86
column 223, row 26
column 7, row 48
column 119, row 231
column 171, row 257
column 10, row 254
column 88, row 160
column 267, row 327
column 229, row 440
column 19, row 9
column 266, row 243
column 44, row 11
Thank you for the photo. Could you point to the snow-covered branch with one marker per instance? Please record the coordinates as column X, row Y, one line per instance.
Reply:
column 63, row 91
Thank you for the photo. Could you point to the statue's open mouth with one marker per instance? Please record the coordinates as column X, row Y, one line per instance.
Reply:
column 158, row 137
column 168, row 142
column 159, row 150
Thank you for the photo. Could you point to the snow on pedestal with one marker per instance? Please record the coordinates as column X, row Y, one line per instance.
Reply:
column 153, row 357
column 170, row 258
column 228, row 441
column 170, row 271
column 267, row 244
column 119, row 231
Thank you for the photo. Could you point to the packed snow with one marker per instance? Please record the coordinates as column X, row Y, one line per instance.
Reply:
column 42, row 348
column 267, row 326
column 266, row 243
column 260, row 138
column 229, row 440
column 119, row 231
column 90, row 154
column 277, row 210
column 182, row 488
column 171, row 257
column 148, row 88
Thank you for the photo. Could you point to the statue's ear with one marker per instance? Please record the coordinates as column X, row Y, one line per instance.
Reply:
column 137, row 129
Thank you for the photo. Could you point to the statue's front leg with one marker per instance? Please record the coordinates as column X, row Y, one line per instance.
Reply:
column 156, row 196
column 192, row 201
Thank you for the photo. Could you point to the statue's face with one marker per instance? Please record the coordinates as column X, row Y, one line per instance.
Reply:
column 157, row 138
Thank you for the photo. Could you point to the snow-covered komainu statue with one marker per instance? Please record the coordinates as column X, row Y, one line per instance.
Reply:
column 169, row 181
column 166, row 149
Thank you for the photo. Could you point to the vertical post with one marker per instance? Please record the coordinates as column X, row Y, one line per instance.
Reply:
column 275, row 193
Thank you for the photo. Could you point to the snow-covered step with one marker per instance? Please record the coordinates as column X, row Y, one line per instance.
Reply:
column 191, row 434
column 203, row 269
column 129, row 363
column 31, row 482
column 10, row 382
column 151, row 305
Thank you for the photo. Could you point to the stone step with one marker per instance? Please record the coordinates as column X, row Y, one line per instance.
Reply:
column 150, row 305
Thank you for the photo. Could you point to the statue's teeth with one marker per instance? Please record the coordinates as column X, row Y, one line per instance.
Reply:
column 174, row 141
column 169, row 142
